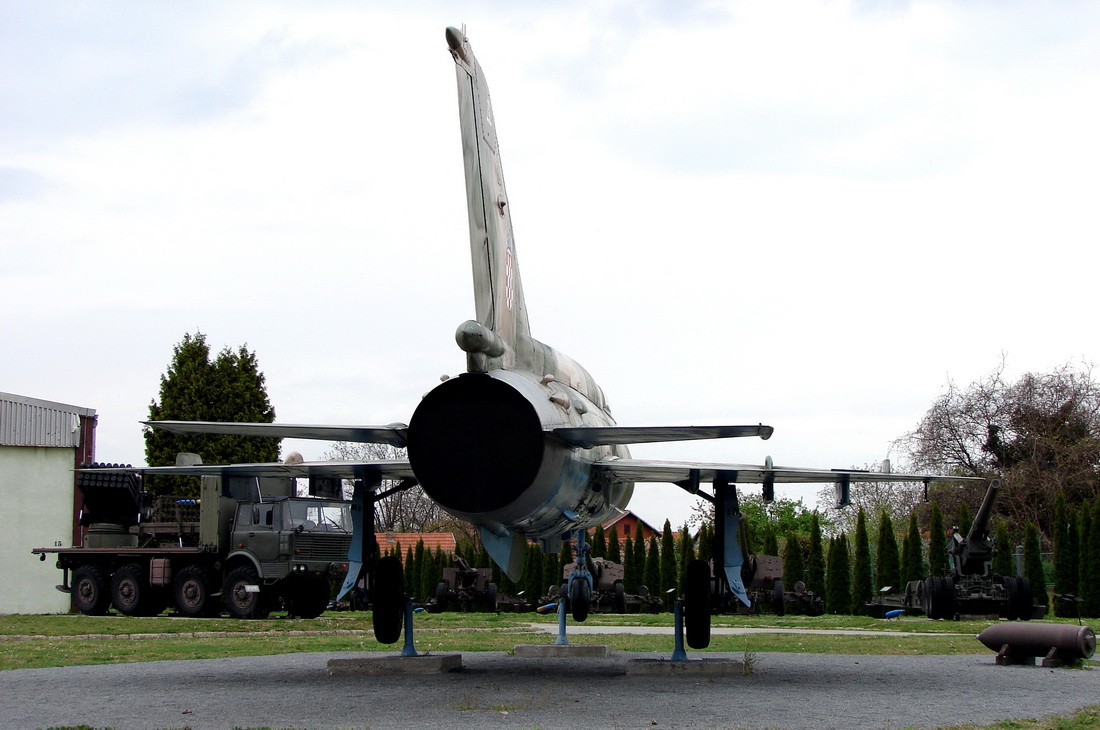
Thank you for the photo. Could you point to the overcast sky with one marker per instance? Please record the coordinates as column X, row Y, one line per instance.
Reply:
column 807, row 214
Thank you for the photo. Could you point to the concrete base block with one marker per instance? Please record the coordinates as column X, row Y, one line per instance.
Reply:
column 571, row 651
column 423, row 664
column 689, row 667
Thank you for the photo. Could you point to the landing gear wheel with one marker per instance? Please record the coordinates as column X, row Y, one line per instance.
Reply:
column 243, row 594
column 192, row 591
column 619, row 602
column 491, row 598
column 90, row 591
column 779, row 599
column 697, row 604
column 131, row 593
column 388, row 600
column 308, row 597
column 580, row 598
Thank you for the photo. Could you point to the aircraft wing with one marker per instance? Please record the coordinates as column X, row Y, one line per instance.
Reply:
column 393, row 434
column 385, row 468
column 587, row 437
column 676, row 472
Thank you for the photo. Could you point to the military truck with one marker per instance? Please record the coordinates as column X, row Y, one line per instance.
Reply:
column 244, row 545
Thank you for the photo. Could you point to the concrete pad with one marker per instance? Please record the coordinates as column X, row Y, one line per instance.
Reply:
column 688, row 667
column 571, row 651
column 423, row 664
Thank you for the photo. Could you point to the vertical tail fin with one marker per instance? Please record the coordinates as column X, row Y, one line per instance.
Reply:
column 497, row 290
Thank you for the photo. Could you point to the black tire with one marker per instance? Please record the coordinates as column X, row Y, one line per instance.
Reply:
column 192, row 591
column 1018, row 593
column 619, row 602
column 240, row 600
column 308, row 597
column 441, row 592
column 697, row 604
column 941, row 598
column 388, row 600
column 90, row 590
column 779, row 599
column 580, row 598
column 131, row 593
column 491, row 598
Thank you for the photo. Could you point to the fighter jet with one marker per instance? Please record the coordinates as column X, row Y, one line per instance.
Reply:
column 523, row 444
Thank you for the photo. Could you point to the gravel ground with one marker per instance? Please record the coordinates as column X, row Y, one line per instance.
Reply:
column 499, row 691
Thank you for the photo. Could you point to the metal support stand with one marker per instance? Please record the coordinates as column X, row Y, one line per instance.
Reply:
column 409, row 649
column 678, row 652
column 562, row 639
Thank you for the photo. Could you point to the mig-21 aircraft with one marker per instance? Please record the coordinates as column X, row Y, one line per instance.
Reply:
column 522, row 445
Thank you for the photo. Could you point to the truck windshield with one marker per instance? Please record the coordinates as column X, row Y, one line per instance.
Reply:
column 318, row 516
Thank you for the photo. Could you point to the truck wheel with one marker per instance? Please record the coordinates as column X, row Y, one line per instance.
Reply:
column 779, row 598
column 620, row 598
column 241, row 596
column 491, row 598
column 441, row 592
column 90, row 591
column 697, row 604
column 308, row 597
column 388, row 600
column 131, row 593
column 192, row 589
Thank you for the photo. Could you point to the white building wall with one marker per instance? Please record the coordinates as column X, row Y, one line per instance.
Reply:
column 36, row 499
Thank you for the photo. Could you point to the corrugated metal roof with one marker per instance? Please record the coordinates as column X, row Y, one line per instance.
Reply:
column 32, row 422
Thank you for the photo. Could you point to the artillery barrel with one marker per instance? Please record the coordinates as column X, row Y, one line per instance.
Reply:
column 980, row 526
column 1067, row 642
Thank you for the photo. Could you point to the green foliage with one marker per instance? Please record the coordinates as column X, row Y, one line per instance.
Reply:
column 1065, row 556
column 687, row 554
column 965, row 521
column 937, row 544
column 551, row 574
column 771, row 541
column 912, row 558
column 669, row 571
column 229, row 388
column 413, row 587
column 1084, row 544
column 639, row 555
column 630, row 571
column 409, row 567
column 614, row 553
column 1033, row 564
column 705, row 546
column 794, row 566
column 888, row 568
column 653, row 568
column 532, row 573
column 815, row 565
column 1091, row 586
column 599, row 543
column 780, row 516
column 862, row 582
column 838, row 587
column 1003, row 563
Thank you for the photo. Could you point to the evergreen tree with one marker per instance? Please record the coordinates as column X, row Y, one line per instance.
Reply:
column 653, row 568
column 532, row 574
column 669, row 577
column 1065, row 565
column 687, row 554
column 1092, row 567
column 794, row 567
column 965, row 520
column 1002, row 563
column 937, row 544
column 912, row 560
column 838, row 589
column 862, row 582
column 410, row 571
column 630, row 572
column 771, row 542
column 639, row 557
column 551, row 574
column 599, row 543
column 705, row 547
column 1084, row 548
column 888, row 568
column 614, row 551
column 815, row 565
column 414, row 586
column 565, row 558
column 429, row 578
column 1033, row 565
column 229, row 388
